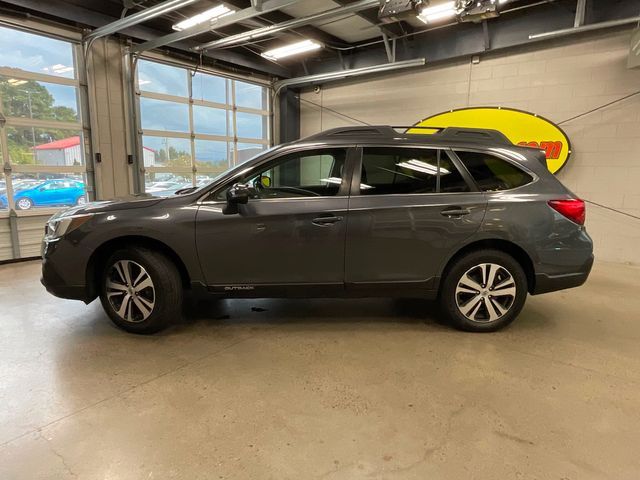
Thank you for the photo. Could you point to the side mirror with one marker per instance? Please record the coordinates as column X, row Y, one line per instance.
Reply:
column 238, row 194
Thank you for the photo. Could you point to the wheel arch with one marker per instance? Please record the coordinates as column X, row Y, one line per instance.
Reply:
column 509, row 247
column 98, row 258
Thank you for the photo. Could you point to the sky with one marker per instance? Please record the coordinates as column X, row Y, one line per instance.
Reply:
column 35, row 53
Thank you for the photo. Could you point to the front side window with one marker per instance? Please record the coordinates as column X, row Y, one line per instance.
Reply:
column 319, row 173
column 387, row 170
column 492, row 174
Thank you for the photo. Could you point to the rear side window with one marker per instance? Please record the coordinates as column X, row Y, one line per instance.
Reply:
column 388, row 171
column 492, row 174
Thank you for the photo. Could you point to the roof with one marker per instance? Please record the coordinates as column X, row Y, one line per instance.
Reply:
column 441, row 134
column 60, row 144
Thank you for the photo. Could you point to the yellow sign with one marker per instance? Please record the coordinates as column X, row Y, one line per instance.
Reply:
column 522, row 128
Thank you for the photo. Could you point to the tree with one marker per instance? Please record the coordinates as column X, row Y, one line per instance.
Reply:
column 31, row 100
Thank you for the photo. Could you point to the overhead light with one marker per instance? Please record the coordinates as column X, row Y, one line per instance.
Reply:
column 292, row 49
column 438, row 12
column 16, row 82
column 215, row 12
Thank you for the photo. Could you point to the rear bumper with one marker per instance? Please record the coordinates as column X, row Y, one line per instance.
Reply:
column 550, row 283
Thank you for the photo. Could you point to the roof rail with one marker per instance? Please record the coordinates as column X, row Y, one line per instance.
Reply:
column 441, row 133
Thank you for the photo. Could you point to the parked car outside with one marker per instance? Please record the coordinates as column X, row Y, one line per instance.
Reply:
column 462, row 216
column 49, row 193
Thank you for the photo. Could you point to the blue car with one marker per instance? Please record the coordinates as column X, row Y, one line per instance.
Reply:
column 49, row 193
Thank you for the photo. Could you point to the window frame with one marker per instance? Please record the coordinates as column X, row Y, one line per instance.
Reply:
column 498, row 154
column 231, row 139
column 82, row 125
column 357, row 172
column 348, row 173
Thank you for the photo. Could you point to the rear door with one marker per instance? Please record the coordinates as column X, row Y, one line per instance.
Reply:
column 409, row 209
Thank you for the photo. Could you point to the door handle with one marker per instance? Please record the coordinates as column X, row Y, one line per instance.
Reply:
column 325, row 221
column 455, row 212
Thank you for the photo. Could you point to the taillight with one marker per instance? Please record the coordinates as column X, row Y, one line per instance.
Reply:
column 573, row 209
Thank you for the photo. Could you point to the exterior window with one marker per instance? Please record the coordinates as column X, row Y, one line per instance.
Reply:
column 196, row 125
column 388, row 171
column 317, row 174
column 305, row 174
column 451, row 181
column 493, row 174
column 43, row 140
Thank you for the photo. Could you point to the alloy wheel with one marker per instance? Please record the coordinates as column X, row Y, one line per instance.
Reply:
column 24, row 204
column 485, row 293
column 130, row 291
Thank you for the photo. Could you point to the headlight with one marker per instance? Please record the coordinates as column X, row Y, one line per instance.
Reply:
column 58, row 227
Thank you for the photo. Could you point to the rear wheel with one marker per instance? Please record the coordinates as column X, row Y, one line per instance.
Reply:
column 484, row 291
column 141, row 290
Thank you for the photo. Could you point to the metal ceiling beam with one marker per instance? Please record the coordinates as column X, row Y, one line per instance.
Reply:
column 342, row 74
column 139, row 17
column 216, row 23
column 585, row 28
column 288, row 25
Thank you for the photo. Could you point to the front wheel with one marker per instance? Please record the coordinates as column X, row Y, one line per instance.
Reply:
column 484, row 291
column 141, row 290
column 24, row 203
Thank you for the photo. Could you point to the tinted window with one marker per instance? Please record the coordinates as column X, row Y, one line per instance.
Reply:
column 450, row 178
column 493, row 174
column 304, row 174
column 406, row 170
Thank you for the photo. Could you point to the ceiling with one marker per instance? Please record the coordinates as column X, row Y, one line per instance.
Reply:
column 344, row 36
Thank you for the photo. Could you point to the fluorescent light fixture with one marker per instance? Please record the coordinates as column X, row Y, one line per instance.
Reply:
column 438, row 12
column 215, row 12
column 292, row 49
column 15, row 82
column 144, row 82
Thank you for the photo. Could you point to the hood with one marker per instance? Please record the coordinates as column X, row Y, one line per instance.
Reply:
column 120, row 203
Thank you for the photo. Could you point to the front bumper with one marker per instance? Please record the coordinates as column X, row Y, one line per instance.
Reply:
column 63, row 271
column 545, row 283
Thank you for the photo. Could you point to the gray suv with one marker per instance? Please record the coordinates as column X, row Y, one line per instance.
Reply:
column 461, row 215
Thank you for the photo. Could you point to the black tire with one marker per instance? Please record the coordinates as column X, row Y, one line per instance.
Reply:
column 81, row 200
column 27, row 203
column 470, row 263
column 166, row 291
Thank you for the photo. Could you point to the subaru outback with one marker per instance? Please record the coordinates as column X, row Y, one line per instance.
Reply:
column 461, row 215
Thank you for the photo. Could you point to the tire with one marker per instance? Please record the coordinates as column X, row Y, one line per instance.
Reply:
column 81, row 200
column 24, row 203
column 156, row 281
column 474, row 306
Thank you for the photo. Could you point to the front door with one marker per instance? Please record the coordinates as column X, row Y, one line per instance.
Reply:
column 289, row 238
column 410, row 208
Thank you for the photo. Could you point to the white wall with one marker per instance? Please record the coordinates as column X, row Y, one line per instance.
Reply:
column 557, row 80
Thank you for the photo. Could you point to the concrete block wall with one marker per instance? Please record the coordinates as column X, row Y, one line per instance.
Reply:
column 558, row 80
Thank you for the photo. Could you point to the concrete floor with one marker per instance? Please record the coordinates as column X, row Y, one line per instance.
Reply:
column 331, row 389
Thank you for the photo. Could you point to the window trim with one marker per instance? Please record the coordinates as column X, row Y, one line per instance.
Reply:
column 502, row 156
column 356, row 178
